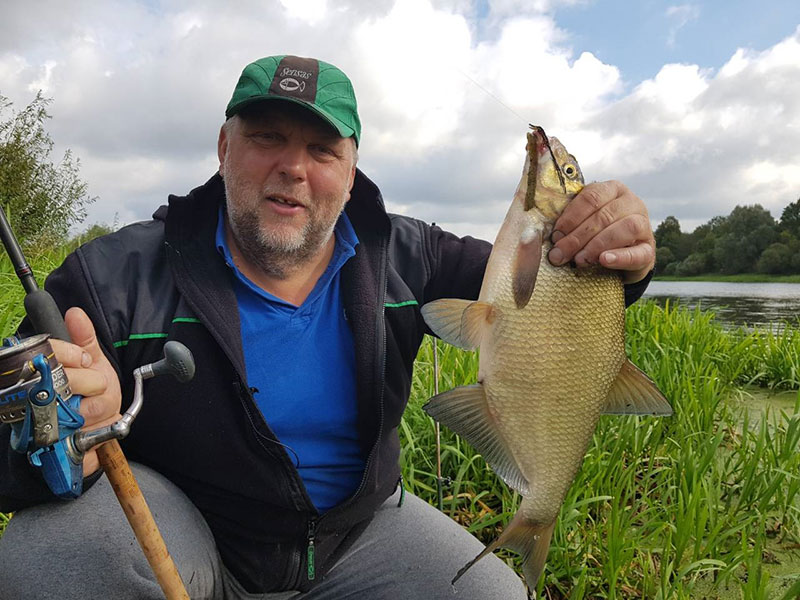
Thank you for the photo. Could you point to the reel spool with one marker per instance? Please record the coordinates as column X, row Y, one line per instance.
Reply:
column 17, row 369
column 35, row 399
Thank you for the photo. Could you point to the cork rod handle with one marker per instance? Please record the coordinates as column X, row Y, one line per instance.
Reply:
column 141, row 519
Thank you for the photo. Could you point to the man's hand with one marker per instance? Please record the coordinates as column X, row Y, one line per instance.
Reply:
column 607, row 224
column 91, row 376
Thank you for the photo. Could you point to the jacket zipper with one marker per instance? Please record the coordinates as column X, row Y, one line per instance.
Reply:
column 311, row 571
column 295, row 565
column 313, row 524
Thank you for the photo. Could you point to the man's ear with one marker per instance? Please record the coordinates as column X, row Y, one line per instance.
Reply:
column 222, row 148
column 351, row 182
column 352, row 178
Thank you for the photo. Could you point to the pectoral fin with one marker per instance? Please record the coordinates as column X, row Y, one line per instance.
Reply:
column 459, row 322
column 634, row 393
column 526, row 266
column 466, row 411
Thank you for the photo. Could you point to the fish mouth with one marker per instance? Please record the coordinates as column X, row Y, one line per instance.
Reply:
column 541, row 143
column 537, row 147
column 541, row 146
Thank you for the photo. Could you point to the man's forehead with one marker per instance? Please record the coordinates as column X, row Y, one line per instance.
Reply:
column 274, row 113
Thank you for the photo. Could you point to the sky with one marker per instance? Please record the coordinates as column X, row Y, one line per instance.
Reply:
column 694, row 105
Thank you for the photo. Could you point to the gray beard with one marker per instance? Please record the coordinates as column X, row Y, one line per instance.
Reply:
column 277, row 256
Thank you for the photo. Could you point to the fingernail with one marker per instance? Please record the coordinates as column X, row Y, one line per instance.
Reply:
column 86, row 359
column 611, row 258
column 556, row 256
column 555, row 236
column 580, row 259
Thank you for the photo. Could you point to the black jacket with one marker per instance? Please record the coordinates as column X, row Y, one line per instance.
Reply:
column 164, row 279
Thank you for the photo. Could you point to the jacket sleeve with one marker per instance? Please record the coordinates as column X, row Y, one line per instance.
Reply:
column 21, row 485
column 457, row 266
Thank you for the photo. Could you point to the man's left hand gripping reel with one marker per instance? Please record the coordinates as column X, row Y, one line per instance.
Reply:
column 36, row 400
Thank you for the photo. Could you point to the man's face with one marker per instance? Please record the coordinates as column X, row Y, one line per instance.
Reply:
column 287, row 178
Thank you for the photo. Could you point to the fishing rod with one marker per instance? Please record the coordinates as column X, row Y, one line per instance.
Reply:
column 35, row 399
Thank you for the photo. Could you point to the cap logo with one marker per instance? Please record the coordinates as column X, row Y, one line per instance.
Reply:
column 296, row 77
column 290, row 84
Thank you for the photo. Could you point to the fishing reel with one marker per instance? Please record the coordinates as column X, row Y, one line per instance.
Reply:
column 35, row 399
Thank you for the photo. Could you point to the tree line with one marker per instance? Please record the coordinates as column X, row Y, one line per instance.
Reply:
column 748, row 240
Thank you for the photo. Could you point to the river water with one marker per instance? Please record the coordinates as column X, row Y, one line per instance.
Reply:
column 760, row 305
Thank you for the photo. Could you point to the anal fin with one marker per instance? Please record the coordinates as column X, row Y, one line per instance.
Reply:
column 465, row 410
column 634, row 393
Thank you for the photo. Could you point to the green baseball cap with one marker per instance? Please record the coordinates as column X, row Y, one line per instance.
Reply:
column 317, row 85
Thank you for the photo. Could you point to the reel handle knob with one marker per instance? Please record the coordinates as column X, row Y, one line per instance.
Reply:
column 178, row 362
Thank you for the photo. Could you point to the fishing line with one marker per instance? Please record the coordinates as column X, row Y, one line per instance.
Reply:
column 491, row 95
column 438, row 429
column 439, row 480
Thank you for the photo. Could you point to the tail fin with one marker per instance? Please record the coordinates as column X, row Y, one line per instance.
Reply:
column 531, row 540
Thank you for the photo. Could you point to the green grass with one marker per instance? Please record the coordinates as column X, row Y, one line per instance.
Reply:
column 4, row 518
column 739, row 278
column 704, row 504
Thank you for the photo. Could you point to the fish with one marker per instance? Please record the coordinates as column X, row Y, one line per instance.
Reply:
column 552, row 357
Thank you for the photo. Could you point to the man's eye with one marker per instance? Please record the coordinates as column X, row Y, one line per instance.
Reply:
column 324, row 150
column 264, row 136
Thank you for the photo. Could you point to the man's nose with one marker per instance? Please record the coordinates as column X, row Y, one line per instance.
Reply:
column 293, row 160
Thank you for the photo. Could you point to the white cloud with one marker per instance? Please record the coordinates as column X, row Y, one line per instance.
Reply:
column 311, row 11
column 416, row 88
column 140, row 89
column 679, row 16
column 674, row 88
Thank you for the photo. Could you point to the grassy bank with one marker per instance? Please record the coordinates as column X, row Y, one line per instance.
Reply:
column 705, row 504
column 740, row 278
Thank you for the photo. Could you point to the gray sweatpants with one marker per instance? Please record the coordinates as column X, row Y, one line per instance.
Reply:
column 85, row 549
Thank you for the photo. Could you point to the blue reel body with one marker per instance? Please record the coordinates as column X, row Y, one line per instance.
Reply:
column 44, row 416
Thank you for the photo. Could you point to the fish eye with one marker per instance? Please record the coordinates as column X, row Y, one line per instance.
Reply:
column 570, row 171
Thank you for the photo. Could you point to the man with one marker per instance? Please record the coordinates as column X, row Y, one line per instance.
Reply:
column 274, row 473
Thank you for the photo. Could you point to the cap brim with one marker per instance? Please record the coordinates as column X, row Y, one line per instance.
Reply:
column 343, row 130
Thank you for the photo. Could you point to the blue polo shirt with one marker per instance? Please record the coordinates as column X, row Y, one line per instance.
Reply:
column 301, row 361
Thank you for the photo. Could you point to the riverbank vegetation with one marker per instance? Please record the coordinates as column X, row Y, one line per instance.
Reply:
column 738, row 278
column 748, row 240
column 703, row 504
